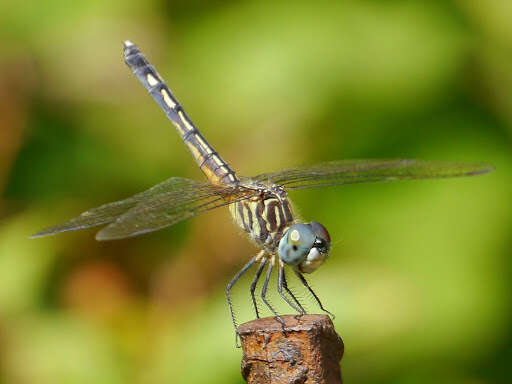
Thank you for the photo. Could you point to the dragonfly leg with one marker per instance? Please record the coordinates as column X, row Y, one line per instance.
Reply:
column 253, row 285
column 305, row 283
column 232, row 283
column 281, row 282
column 264, row 291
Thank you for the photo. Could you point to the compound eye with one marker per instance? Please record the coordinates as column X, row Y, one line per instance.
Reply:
column 296, row 244
column 323, row 240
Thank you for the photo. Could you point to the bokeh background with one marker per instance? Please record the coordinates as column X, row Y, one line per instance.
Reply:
column 420, row 272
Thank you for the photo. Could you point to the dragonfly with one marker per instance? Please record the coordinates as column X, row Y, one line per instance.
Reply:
column 259, row 205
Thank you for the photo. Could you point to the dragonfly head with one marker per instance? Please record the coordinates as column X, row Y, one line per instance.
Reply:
column 305, row 246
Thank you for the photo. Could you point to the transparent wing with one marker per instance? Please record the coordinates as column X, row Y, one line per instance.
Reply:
column 367, row 170
column 167, row 209
column 165, row 204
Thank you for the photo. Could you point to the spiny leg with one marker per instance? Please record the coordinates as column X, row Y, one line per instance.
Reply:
column 264, row 291
column 285, row 285
column 253, row 285
column 232, row 283
column 305, row 283
column 281, row 282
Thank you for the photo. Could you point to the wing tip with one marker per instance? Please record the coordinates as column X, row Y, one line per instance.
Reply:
column 49, row 232
column 481, row 169
column 487, row 168
column 61, row 229
column 38, row 235
column 100, row 235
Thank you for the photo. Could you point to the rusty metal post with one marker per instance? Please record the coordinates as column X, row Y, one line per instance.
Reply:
column 309, row 351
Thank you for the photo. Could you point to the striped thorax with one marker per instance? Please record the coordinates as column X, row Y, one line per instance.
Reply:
column 265, row 216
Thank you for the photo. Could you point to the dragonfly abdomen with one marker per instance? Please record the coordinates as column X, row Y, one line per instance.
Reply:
column 264, row 219
column 214, row 167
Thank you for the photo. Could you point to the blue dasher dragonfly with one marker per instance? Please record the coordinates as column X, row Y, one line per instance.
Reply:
column 259, row 205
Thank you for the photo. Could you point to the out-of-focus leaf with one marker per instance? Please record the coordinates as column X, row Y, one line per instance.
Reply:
column 61, row 349
column 24, row 266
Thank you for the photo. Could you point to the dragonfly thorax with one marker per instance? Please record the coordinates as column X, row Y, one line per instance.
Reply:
column 265, row 216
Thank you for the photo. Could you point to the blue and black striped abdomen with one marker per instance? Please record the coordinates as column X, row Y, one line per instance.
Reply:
column 213, row 166
column 264, row 219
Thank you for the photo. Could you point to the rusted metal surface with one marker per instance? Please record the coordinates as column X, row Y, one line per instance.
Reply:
column 308, row 352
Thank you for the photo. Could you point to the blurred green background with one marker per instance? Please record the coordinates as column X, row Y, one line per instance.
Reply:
column 420, row 272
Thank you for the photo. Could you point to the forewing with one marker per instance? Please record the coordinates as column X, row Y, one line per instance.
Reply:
column 169, row 208
column 364, row 171
column 180, row 193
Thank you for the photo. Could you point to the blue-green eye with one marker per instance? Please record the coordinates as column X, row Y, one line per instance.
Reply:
column 305, row 246
column 296, row 244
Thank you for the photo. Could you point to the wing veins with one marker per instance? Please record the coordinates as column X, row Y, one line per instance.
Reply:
column 130, row 224
column 362, row 171
column 181, row 193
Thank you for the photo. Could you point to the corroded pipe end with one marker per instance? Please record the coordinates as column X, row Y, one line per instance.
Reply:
column 308, row 351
